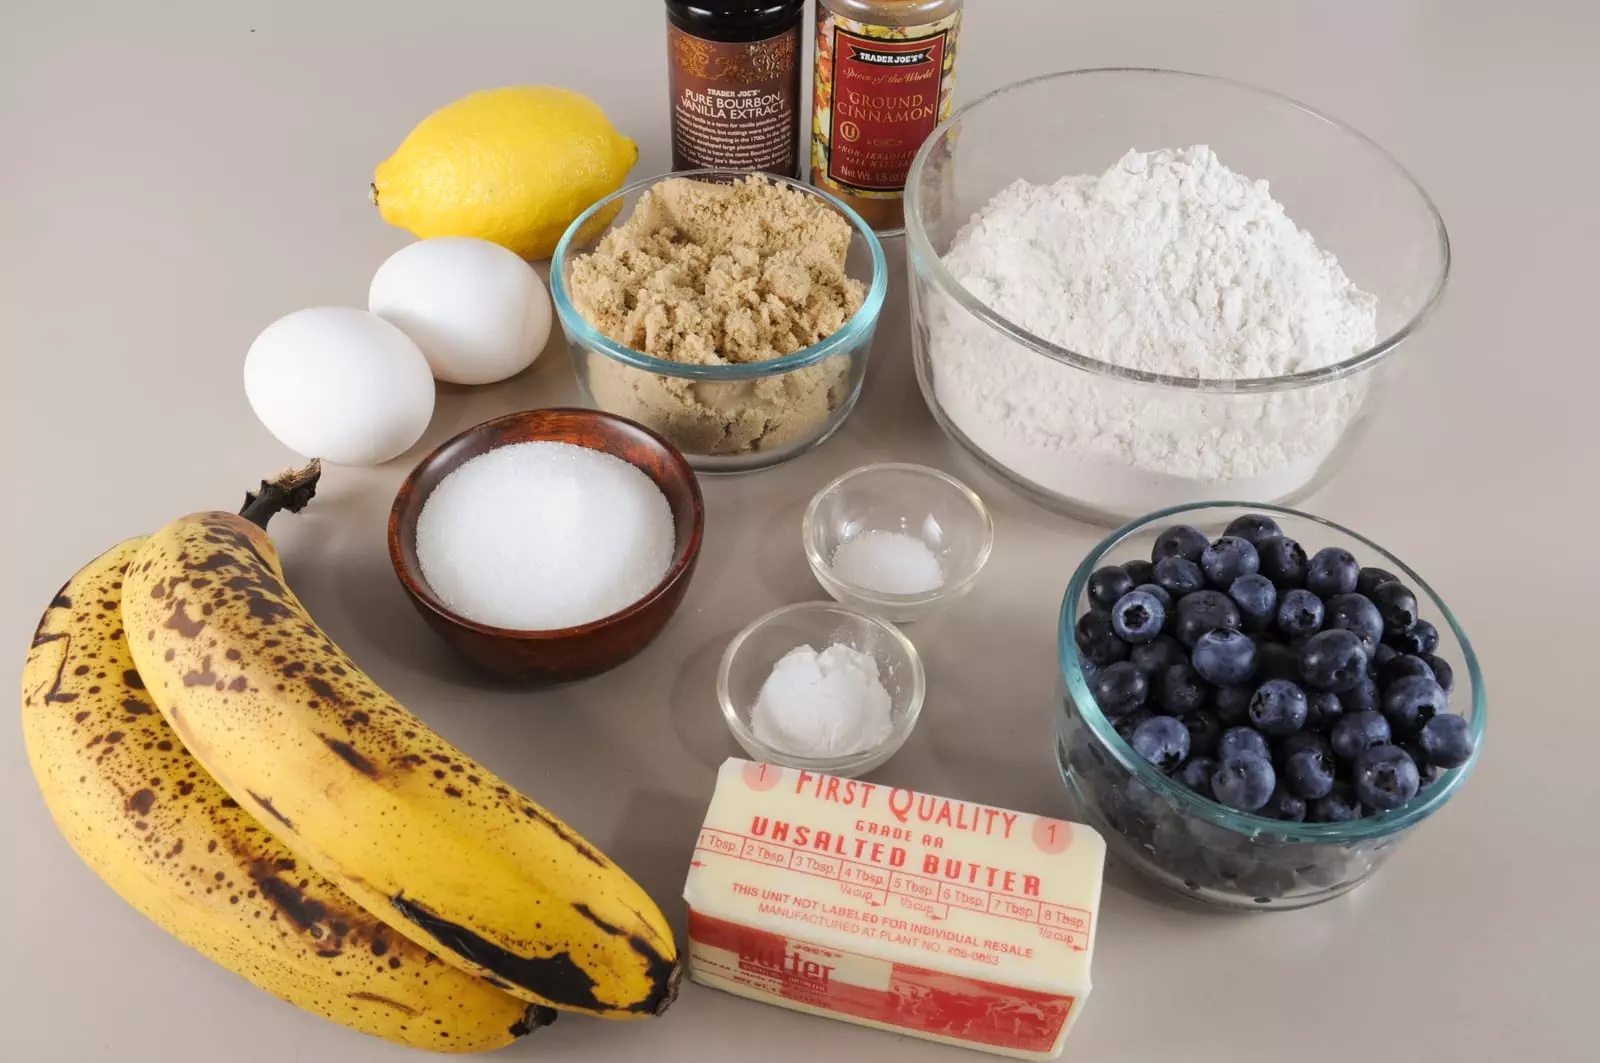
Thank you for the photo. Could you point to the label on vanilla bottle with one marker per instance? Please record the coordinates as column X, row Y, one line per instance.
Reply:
column 735, row 106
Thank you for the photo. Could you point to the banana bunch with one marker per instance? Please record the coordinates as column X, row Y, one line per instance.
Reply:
column 213, row 756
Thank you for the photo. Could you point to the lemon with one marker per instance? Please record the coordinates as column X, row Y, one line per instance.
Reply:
column 511, row 165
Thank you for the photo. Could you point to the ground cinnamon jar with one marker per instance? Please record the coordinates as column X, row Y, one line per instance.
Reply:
column 733, row 68
column 885, row 73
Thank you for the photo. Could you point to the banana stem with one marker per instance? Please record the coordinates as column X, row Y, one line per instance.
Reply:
column 289, row 490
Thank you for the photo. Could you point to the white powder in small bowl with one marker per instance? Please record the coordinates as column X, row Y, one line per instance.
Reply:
column 887, row 562
column 828, row 704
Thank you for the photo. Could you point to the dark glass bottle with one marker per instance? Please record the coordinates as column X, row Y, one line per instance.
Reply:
column 733, row 68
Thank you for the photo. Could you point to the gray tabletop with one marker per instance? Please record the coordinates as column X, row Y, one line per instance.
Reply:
column 174, row 176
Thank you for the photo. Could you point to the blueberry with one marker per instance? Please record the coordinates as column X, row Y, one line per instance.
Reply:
column 1447, row 740
column 1242, row 741
column 1401, row 665
column 1282, row 561
column 1106, row 585
column 1097, row 641
column 1227, row 559
column 1283, row 805
column 1333, row 660
column 1422, row 638
column 1204, row 730
column 1244, row 781
column 1162, row 740
column 1369, row 579
column 1224, row 657
column 1252, row 528
column 1178, row 576
column 1157, row 655
column 1385, row 778
column 1180, row 540
column 1274, row 660
column 1278, row 707
column 1126, row 725
column 1257, row 600
column 1138, row 570
column 1309, row 774
column 1419, row 756
column 1363, row 697
column 1196, row 775
column 1380, row 657
column 1333, row 570
column 1356, row 733
column 1398, row 606
column 1323, row 707
column 1203, row 611
column 1411, row 701
column 1231, row 702
column 1300, row 614
column 1284, row 748
column 1180, row 691
column 1120, row 688
column 1356, row 614
column 1158, row 592
column 1443, row 674
column 1339, row 806
column 1137, row 617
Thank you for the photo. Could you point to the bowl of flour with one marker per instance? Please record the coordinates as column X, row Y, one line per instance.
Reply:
column 1133, row 289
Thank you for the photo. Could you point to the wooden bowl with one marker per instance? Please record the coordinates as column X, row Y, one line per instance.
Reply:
column 561, row 653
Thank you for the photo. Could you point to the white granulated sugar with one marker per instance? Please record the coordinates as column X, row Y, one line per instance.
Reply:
column 888, row 562
column 1168, row 263
column 537, row 536
column 828, row 704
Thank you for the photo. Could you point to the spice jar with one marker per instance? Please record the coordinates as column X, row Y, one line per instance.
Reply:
column 885, row 74
column 733, row 68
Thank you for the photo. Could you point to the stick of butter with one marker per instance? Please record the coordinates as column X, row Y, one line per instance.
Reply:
column 923, row 915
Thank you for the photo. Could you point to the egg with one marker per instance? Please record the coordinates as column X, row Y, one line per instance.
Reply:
column 339, row 384
column 478, row 311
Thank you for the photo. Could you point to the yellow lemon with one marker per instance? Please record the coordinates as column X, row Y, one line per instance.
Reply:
column 512, row 165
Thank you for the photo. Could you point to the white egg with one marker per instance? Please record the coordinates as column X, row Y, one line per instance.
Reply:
column 339, row 384
column 478, row 311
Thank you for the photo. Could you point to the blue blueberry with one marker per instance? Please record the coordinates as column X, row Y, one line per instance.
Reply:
column 1096, row 640
column 1196, row 775
column 1204, row 731
column 1422, row 638
column 1178, row 576
column 1309, row 774
column 1447, row 740
column 1108, row 584
column 1242, row 741
column 1380, row 657
column 1120, row 688
column 1252, row 528
column 1323, row 707
column 1227, row 559
column 1274, row 660
column 1385, row 778
column 1231, row 702
column 1278, row 708
column 1224, row 657
column 1333, row 660
column 1244, row 781
column 1284, row 748
column 1368, row 579
column 1357, row 615
column 1282, row 561
column 1339, row 806
column 1333, row 570
column 1363, row 697
column 1138, row 617
column 1300, row 614
column 1411, row 701
column 1156, row 656
column 1356, row 733
column 1443, row 674
column 1129, row 723
column 1180, row 540
column 1158, row 592
column 1163, row 741
column 1283, row 805
column 1203, row 611
column 1401, row 665
column 1138, row 570
column 1257, row 600
column 1398, row 606
column 1180, row 691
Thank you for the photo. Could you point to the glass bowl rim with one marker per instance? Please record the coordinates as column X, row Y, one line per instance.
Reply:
column 923, row 258
column 1378, row 826
column 824, row 765
column 848, row 337
column 821, row 567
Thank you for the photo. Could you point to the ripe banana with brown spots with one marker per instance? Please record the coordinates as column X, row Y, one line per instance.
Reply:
column 421, row 835
column 142, row 813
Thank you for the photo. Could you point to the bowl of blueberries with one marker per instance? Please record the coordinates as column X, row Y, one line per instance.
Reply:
column 1258, row 704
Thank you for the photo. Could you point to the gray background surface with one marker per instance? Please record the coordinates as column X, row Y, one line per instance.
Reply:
column 174, row 176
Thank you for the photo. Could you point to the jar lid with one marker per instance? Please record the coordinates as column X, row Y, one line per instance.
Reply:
column 735, row 20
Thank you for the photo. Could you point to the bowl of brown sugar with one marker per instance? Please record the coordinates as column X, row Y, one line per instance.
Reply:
column 731, row 312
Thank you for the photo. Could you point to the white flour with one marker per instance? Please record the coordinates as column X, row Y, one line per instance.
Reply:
column 1168, row 263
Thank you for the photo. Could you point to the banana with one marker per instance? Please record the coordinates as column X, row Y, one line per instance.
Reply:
column 143, row 815
column 422, row 836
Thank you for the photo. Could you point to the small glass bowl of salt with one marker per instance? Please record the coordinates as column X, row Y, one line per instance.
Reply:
column 897, row 540
column 821, row 687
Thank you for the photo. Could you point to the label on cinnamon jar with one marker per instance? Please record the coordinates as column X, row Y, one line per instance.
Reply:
column 735, row 105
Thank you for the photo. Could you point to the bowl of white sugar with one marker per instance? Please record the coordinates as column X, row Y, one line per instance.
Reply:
column 1134, row 289
column 548, row 545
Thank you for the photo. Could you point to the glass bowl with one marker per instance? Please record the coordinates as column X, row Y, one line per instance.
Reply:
column 749, row 658
column 1205, row 850
column 936, row 509
column 732, row 417
column 1036, row 414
